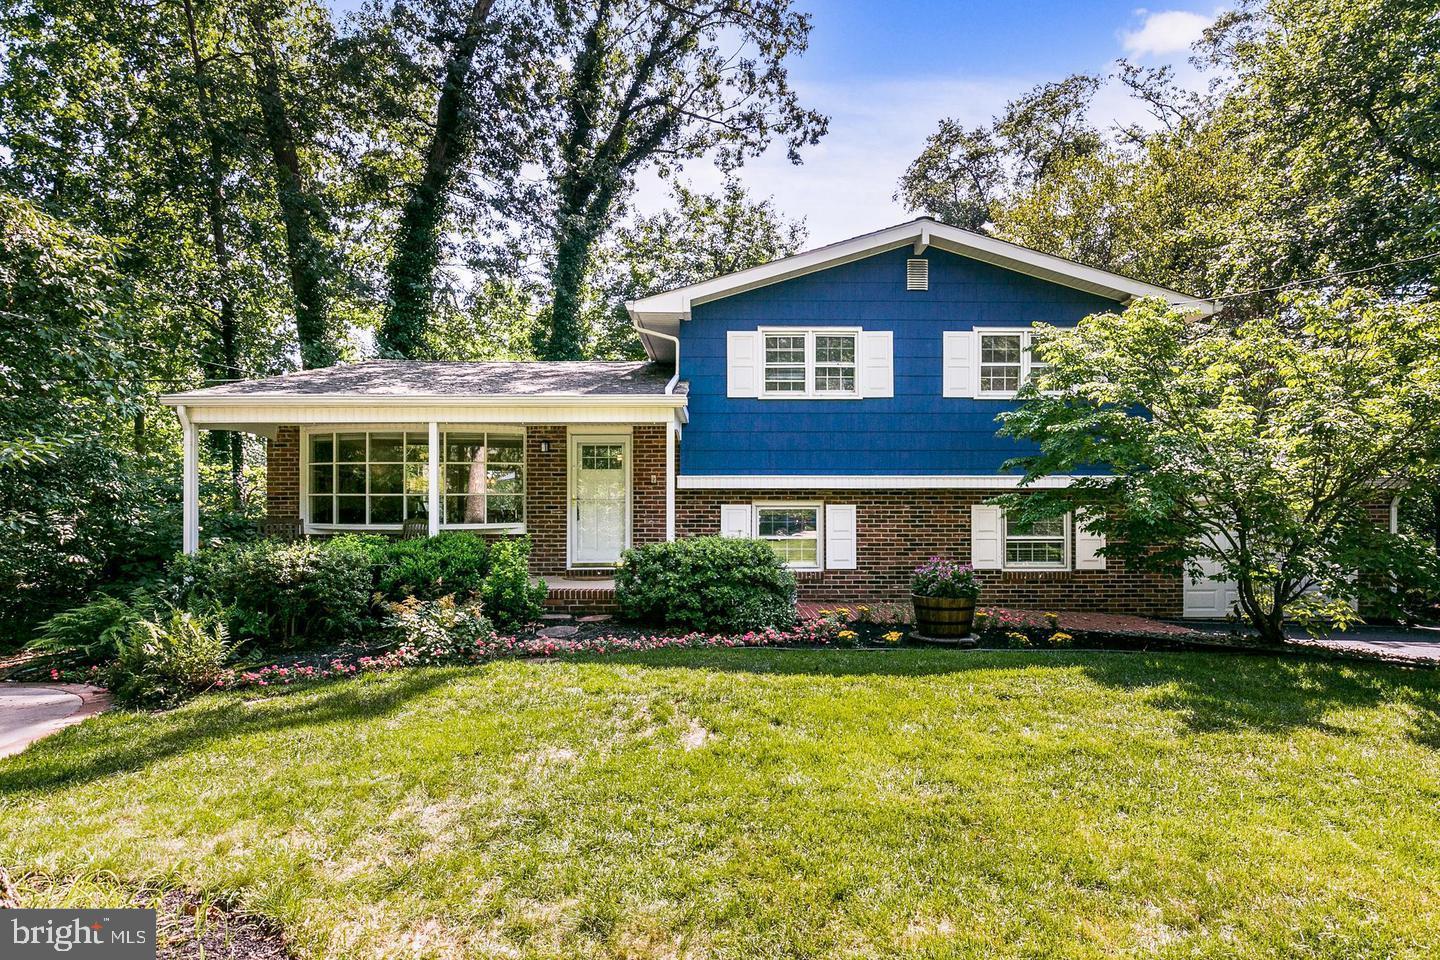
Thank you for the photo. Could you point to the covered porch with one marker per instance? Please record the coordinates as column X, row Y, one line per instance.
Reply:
column 578, row 457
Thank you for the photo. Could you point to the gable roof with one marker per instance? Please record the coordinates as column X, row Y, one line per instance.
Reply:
column 415, row 380
column 663, row 311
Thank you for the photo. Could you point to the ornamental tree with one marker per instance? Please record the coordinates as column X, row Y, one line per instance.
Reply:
column 1259, row 444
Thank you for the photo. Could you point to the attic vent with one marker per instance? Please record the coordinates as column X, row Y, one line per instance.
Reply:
column 917, row 274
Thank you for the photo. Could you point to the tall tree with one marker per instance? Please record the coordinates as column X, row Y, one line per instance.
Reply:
column 961, row 175
column 485, row 70
column 301, row 211
column 658, row 82
column 214, row 173
column 416, row 256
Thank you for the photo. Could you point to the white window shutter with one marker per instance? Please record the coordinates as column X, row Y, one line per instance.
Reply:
column 958, row 371
column 742, row 363
column 735, row 520
column 840, row 536
column 1088, row 545
column 877, row 363
column 985, row 537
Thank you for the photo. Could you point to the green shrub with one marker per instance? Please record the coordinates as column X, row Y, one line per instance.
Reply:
column 706, row 583
column 441, row 631
column 164, row 661
column 451, row 563
column 456, row 564
column 89, row 634
column 512, row 597
column 277, row 594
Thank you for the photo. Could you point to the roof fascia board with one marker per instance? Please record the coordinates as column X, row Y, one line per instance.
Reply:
column 678, row 303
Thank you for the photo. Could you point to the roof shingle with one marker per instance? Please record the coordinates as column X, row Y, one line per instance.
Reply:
column 414, row 378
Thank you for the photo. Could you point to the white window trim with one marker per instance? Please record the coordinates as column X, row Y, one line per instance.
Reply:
column 1067, row 551
column 810, row 393
column 1026, row 335
column 819, row 509
column 307, row 432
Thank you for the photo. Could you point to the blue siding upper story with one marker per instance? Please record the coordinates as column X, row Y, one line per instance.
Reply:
column 916, row 432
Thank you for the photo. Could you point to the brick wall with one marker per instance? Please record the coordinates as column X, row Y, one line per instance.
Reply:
column 899, row 529
column 648, row 480
column 545, row 499
column 282, row 475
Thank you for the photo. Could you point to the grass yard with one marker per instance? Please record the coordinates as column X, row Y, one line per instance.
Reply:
column 759, row 803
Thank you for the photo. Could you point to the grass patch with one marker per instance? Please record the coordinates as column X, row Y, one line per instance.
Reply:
column 771, row 803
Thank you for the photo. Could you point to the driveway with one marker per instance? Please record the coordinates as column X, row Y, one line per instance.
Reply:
column 29, row 711
column 1415, row 644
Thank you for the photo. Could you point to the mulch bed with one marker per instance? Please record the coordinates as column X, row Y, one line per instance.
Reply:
column 192, row 929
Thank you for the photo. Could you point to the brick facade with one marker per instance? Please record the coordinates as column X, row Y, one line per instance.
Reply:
column 648, row 480
column 899, row 529
column 546, row 493
column 282, row 475
column 546, row 488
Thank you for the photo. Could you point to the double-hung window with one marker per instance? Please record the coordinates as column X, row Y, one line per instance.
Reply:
column 1007, row 360
column 793, row 532
column 810, row 363
column 1041, row 545
column 382, row 478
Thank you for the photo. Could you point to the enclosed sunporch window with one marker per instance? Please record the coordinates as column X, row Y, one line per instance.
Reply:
column 381, row 478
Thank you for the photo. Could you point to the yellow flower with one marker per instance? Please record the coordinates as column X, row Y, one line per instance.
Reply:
column 893, row 636
column 847, row 634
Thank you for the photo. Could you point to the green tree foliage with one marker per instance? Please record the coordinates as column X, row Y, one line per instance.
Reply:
column 487, row 78
column 69, row 494
column 1257, row 445
column 700, row 235
column 658, row 83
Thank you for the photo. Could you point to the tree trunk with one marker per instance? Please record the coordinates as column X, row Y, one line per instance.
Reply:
column 215, row 204
column 561, row 334
column 305, row 255
column 416, row 256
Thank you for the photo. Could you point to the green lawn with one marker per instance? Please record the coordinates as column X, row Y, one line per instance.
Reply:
column 774, row 804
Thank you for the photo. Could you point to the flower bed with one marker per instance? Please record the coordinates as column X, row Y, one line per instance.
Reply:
column 406, row 655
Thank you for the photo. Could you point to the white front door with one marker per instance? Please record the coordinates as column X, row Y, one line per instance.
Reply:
column 599, row 498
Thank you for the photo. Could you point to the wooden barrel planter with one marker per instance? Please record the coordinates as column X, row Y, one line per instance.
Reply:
column 943, row 617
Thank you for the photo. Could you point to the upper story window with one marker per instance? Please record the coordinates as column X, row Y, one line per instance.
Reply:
column 1007, row 360
column 810, row 363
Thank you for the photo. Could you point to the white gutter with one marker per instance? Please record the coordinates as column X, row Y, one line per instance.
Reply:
column 644, row 332
column 415, row 400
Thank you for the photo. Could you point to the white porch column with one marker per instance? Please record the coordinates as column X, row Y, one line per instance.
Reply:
column 433, row 466
column 670, row 430
column 190, row 485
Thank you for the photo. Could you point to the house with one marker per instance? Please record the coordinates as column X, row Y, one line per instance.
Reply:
column 839, row 403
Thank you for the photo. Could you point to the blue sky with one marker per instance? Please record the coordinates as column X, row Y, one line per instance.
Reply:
column 886, row 71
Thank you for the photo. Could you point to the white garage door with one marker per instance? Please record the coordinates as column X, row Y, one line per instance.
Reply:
column 1209, row 597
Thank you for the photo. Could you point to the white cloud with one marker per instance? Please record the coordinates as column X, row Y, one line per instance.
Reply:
column 1163, row 33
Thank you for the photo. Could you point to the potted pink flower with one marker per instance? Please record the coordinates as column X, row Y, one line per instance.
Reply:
column 944, row 594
